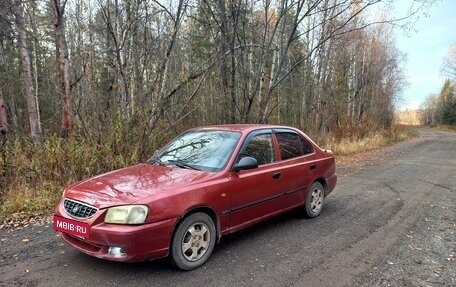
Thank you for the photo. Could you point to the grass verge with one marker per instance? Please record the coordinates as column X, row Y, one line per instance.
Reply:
column 445, row 128
column 342, row 146
column 31, row 184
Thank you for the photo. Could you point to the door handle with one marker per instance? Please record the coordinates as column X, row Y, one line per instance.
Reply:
column 313, row 166
column 276, row 175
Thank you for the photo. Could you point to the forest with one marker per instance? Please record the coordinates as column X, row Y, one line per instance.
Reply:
column 440, row 109
column 91, row 85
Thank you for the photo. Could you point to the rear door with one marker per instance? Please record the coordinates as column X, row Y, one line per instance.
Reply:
column 298, row 163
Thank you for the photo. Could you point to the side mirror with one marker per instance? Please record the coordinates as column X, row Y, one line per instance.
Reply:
column 246, row 163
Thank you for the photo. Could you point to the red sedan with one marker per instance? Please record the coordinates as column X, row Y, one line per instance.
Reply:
column 204, row 184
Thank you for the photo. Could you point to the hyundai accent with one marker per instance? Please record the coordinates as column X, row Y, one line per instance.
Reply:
column 206, row 183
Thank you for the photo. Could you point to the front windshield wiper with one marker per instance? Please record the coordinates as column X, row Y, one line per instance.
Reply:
column 182, row 164
column 157, row 161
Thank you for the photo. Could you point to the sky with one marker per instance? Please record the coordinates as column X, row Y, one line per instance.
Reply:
column 425, row 46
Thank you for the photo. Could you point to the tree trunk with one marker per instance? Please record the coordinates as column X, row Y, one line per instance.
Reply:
column 224, row 74
column 32, row 99
column 3, row 116
column 4, row 129
column 163, row 74
column 235, row 11
column 265, row 85
column 62, row 68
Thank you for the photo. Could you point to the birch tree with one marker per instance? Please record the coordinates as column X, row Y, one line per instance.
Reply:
column 449, row 63
column 32, row 99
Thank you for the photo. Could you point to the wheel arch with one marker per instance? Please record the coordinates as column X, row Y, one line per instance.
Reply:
column 323, row 182
column 203, row 209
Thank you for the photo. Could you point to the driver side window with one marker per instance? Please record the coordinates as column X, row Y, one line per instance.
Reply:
column 260, row 147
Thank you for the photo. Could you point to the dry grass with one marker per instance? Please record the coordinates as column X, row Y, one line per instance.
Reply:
column 369, row 141
column 31, row 183
column 30, row 201
column 446, row 128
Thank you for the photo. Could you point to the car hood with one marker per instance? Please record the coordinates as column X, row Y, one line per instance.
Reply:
column 128, row 185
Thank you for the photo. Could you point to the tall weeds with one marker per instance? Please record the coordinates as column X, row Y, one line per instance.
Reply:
column 32, row 182
column 365, row 139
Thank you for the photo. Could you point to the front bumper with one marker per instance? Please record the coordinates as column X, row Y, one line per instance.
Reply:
column 139, row 242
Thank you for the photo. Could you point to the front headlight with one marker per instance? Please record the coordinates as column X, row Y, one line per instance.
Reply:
column 127, row 214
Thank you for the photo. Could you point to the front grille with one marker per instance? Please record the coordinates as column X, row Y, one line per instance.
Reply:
column 78, row 209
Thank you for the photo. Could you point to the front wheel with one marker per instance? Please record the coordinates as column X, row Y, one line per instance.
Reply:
column 193, row 241
column 314, row 200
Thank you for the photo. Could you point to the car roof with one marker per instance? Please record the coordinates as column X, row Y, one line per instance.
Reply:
column 242, row 127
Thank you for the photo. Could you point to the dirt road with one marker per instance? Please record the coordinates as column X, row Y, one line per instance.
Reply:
column 391, row 221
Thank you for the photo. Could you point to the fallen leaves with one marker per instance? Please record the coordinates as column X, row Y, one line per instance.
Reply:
column 438, row 272
column 414, row 248
column 19, row 220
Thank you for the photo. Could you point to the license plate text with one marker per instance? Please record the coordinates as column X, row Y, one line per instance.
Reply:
column 71, row 226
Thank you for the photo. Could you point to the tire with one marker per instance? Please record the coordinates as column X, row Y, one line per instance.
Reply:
column 314, row 200
column 193, row 241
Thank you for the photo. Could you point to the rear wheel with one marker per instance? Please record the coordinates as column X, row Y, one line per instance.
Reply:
column 314, row 200
column 193, row 241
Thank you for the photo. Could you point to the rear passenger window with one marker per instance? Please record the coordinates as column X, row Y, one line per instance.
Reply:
column 292, row 145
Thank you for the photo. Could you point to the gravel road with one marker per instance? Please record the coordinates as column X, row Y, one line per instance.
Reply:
column 391, row 221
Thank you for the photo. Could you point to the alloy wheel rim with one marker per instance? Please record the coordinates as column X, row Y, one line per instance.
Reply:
column 196, row 241
column 317, row 200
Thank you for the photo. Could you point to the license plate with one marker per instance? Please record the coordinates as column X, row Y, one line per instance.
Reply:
column 70, row 226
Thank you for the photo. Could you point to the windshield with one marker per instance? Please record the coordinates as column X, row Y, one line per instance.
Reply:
column 207, row 150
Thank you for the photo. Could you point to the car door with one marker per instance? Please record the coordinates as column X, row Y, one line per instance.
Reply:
column 256, row 193
column 298, row 163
